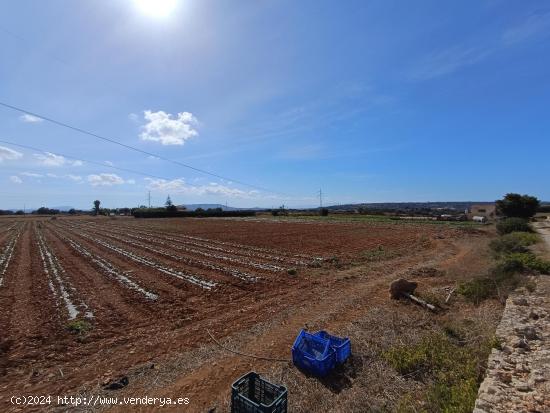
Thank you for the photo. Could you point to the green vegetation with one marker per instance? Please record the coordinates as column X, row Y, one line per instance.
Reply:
column 79, row 327
column 528, row 261
column 379, row 254
column 453, row 369
column 97, row 203
column 502, row 279
column 516, row 205
column 514, row 260
column 513, row 242
column 509, row 225
column 170, row 205
column 348, row 218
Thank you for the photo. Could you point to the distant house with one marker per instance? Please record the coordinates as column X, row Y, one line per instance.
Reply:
column 488, row 211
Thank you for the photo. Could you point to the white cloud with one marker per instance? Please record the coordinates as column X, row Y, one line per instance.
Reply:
column 51, row 159
column 108, row 163
column 454, row 58
column 168, row 129
column 9, row 154
column 16, row 179
column 30, row 118
column 75, row 178
column 31, row 174
column 450, row 60
column 133, row 117
column 536, row 24
column 105, row 180
column 179, row 186
column 131, row 181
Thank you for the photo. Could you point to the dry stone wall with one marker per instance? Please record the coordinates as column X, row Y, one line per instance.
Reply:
column 518, row 374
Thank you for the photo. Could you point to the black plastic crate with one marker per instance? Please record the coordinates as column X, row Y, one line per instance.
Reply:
column 252, row 394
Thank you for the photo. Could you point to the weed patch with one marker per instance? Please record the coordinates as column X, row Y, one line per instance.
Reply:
column 453, row 370
column 79, row 327
column 527, row 260
column 509, row 225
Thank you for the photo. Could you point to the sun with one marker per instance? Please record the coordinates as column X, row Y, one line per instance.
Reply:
column 157, row 8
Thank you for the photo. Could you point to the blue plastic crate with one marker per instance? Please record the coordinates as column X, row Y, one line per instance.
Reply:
column 313, row 354
column 341, row 345
column 252, row 394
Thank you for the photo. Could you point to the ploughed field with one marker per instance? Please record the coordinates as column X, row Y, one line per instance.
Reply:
column 82, row 300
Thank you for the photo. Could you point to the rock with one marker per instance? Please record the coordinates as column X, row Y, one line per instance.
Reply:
column 401, row 286
column 504, row 377
column 523, row 387
column 527, row 332
column 520, row 301
column 117, row 384
column 522, row 343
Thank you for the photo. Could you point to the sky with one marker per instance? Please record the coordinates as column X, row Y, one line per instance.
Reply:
column 370, row 101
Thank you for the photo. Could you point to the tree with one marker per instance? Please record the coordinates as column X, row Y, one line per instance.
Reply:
column 97, row 203
column 517, row 206
column 72, row 211
column 20, row 212
column 169, row 204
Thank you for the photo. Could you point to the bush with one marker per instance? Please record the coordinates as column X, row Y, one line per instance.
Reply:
column 527, row 260
column 453, row 368
column 506, row 245
column 477, row 289
column 509, row 225
column 323, row 212
column 502, row 279
column 523, row 238
column 513, row 242
column 164, row 213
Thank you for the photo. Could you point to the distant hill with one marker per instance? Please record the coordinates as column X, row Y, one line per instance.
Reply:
column 192, row 207
column 64, row 208
column 389, row 206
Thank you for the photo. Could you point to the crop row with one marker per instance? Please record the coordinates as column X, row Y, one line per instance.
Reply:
column 7, row 254
column 237, row 249
column 190, row 278
column 191, row 261
column 252, row 248
column 58, row 282
column 108, row 268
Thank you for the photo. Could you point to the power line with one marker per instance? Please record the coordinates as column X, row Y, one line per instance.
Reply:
column 133, row 148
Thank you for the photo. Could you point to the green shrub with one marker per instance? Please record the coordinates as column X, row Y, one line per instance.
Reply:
column 508, row 225
column 454, row 370
column 477, row 289
column 506, row 245
column 523, row 238
column 527, row 260
column 502, row 279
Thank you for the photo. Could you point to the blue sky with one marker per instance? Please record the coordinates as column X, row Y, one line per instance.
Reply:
column 372, row 101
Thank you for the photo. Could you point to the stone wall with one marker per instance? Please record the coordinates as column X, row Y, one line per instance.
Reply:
column 518, row 374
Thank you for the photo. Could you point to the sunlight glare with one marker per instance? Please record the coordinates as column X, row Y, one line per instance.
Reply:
column 157, row 8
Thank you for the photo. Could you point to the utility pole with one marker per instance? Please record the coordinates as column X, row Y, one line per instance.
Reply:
column 320, row 198
column 149, row 199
